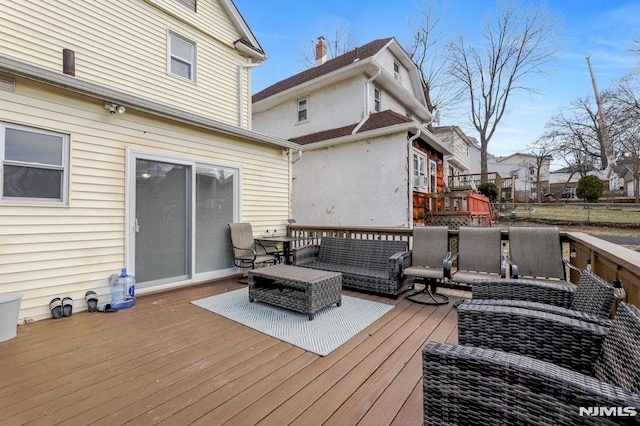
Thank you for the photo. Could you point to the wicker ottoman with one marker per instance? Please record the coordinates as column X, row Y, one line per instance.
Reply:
column 299, row 289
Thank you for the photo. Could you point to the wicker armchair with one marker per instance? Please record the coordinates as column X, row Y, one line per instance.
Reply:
column 466, row 385
column 246, row 253
column 591, row 300
column 558, row 339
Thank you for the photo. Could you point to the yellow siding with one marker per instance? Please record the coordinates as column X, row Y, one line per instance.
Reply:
column 123, row 45
column 57, row 251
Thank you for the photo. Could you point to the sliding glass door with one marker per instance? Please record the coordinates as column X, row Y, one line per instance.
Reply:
column 214, row 211
column 179, row 216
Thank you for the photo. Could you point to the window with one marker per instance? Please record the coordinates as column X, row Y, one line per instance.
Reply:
column 302, row 110
column 191, row 4
column 34, row 164
column 182, row 57
column 377, row 95
column 433, row 181
column 419, row 170
column 396, row 72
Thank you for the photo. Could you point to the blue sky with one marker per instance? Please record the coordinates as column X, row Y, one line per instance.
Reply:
column 600, row 29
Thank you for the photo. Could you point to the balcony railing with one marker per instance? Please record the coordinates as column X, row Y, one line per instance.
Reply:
column 608, row 260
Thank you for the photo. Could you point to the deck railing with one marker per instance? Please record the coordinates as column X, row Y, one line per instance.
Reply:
column 506, row 185
column 608, row 260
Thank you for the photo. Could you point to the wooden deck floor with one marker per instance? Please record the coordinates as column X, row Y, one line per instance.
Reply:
column 168, row 361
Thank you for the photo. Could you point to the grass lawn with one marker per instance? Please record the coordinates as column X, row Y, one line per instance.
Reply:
column 625, row 216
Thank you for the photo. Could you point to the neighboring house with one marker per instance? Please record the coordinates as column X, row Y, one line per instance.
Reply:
column 622, row 179
column 563, row 182
column 368, row 158
column 126, row 142
column 460, row 144
column 522, row 167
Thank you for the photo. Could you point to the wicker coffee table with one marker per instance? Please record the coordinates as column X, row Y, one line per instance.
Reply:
column 299, row 289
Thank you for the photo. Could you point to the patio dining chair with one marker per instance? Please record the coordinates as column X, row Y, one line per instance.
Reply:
column 429, row 259
column 469, row 385
column 246, row 253
column 479, row 254
column 536, row 252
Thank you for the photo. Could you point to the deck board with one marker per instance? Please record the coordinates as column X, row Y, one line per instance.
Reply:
column 168, row 361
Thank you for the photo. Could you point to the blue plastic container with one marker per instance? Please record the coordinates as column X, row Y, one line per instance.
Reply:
column 123, row 290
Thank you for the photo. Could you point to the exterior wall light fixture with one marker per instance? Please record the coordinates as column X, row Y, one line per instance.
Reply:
column 114, row 109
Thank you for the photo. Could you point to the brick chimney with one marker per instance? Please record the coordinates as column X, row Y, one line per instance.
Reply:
column 321, row 51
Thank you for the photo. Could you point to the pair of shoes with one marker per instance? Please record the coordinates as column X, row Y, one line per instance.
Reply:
column 60, row 308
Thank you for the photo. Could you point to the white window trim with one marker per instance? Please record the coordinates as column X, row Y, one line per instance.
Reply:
column 194, row 63
column 377, row 100
column 306, row 100
column 64, row 201
column 432, row 180
column 132, row 154
column 420, row 177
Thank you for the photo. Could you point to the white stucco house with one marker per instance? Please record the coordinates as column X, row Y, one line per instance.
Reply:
column 126, row 141
column 368, row 157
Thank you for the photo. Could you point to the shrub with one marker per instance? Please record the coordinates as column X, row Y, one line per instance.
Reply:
column 590, row 189
column 489, row 190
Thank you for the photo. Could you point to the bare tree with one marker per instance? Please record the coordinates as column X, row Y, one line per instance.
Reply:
column 339, row 39
column 540, row 152
column 518, row 43
column 626, row 100
column 428, row 50
column 577, row 130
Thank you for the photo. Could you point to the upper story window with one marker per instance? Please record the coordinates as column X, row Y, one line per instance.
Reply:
column 191, row 4
column 419, row 170
column 377, row 99
column 182, row 57
column 302, row 110
column 34, row 165
column 396, row 72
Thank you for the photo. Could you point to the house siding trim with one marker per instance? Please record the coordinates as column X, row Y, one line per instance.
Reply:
column 32, row 72
column 407, row 127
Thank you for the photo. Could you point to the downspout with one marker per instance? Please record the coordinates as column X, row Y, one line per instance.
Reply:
column 410, row 175
column 292, row 161
column 241, row 68
column 366, row 101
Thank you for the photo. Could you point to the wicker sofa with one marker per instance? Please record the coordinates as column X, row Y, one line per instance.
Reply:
column 367, row 265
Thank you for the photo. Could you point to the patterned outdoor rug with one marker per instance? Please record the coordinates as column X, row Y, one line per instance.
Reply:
column 331, row 327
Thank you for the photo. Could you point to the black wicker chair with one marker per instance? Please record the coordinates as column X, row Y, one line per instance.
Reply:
column 467, row 385
column 591, row 300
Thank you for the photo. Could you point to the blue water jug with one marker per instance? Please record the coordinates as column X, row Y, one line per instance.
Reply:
column 123, row 290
